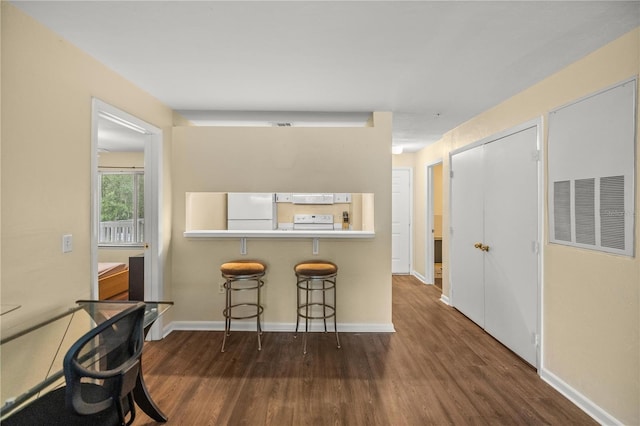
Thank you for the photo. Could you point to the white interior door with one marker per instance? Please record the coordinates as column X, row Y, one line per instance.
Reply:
column 494, row 202
column 467, row 224
column 401, row 221
column 511, row 232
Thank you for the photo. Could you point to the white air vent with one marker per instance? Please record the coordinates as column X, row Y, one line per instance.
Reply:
column 591, row 169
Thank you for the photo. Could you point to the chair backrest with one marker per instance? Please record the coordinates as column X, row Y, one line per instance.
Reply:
column 101, row 368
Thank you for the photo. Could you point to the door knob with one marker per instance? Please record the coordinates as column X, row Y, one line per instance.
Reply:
column 481, row 246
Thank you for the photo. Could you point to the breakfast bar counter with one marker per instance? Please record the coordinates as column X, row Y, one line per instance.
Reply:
column 278, row 233
column 314, row 235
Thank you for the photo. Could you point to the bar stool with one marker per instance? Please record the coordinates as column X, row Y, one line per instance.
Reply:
column 242, row 275
column 315, row 276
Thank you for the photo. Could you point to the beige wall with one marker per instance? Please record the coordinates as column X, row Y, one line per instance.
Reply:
column 218, row 159
column 403, row 160
column 47, row 87
column 591, row 304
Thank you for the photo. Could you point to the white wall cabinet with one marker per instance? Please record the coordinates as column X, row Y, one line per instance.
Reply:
column 494, row 238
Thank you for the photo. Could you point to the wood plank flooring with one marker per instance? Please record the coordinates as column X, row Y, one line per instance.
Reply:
column 437, row 369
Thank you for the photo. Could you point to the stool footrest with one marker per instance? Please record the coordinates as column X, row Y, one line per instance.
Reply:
column 304, row 306
column 227, row 311
column 227, row 287
column 308, row 286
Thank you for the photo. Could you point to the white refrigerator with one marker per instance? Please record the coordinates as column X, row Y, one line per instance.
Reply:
column 248, row 211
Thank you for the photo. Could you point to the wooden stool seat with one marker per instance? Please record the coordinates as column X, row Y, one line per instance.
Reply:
column 243, row 267
column 317, row 268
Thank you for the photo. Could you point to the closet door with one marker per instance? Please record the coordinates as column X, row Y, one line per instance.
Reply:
column 511, row 232
column 467, row 222
column 494, row 238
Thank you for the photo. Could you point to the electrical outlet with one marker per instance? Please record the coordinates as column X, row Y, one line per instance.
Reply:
column 221, row 288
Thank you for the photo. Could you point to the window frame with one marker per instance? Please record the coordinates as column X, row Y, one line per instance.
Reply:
column 137, row 229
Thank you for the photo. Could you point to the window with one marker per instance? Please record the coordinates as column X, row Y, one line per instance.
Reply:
column 121, row 208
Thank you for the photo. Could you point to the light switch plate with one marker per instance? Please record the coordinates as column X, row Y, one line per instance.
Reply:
column 67, row 243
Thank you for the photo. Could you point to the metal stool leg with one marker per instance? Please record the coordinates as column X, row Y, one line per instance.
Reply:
column 258, row 327
column 297, row 308
column 324, row 304
column 226, row 312
column 306, row 319
column 335, row 312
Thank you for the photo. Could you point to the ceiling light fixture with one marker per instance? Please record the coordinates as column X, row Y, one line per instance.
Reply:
column 396, row 149
column 117, row 120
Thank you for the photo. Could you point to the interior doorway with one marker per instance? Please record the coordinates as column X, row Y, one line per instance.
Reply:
column 117, row 135
column 433, row 234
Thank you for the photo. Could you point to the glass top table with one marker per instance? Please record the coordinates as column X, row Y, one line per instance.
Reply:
column 32, row 351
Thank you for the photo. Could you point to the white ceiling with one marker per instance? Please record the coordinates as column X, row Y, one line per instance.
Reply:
column 434, row 64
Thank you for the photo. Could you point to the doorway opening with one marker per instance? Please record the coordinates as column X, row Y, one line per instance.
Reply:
column 126, row 157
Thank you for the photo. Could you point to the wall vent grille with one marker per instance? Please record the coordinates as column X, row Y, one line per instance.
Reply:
column 562, row 210
column 585, row 211
column 612, row 212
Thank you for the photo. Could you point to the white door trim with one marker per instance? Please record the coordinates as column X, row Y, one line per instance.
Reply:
column 429, row 251
column 153, row 153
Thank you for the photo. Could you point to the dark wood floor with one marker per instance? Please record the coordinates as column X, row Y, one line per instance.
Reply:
column 437, row 369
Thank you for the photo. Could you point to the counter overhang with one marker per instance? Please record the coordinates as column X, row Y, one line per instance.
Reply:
column 279, row 234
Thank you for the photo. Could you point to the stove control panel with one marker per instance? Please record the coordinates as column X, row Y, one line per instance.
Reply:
column 313, row 218
column 313, row 221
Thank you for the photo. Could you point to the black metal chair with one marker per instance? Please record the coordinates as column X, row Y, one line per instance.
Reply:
column 100, row 371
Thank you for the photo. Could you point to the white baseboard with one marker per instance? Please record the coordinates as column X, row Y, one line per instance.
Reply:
column 420, row 277
column 584, row 403
column 444, row 299
column 316, row 326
